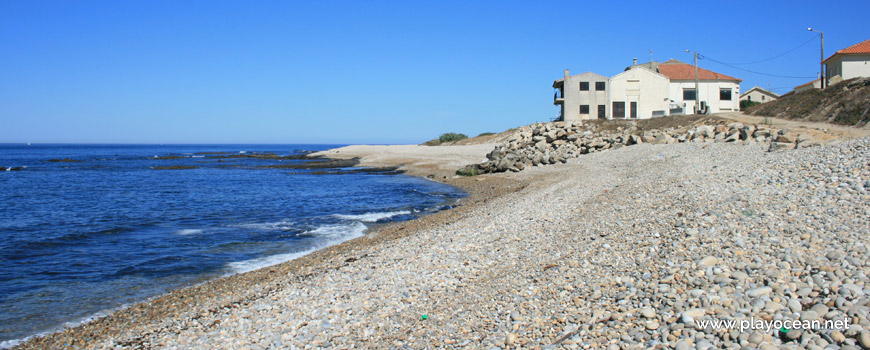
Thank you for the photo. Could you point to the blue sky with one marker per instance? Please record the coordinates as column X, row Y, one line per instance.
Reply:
column 362, row 71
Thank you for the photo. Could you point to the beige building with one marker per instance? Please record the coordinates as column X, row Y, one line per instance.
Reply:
column 582, row 96
column 848, row 63
column 638, row 93
column 644, row 91
column 757, row 94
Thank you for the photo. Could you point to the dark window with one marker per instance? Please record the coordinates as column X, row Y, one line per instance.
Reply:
column 584, row 86
column 599, row 86
column 688, row 94
column 618, row 110
column 601, row 110
column 584, row 109
column 724, row 94
column 633, row 110
column 762, row 98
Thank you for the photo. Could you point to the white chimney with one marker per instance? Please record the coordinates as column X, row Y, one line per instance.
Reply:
column 566, row 73
column 634, row 62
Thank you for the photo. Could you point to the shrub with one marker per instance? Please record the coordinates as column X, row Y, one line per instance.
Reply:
column 486, row 134
column 747, row 103
column 468, row 171
column 452, row 136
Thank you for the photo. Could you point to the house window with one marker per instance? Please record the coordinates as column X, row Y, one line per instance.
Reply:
column 762, row 98
column 633, row 88
column 584, row 86
column 601, row 110
column 599, row 86
column 688, row 94
column 584, row 109
column 618, row 110
column 724, row 94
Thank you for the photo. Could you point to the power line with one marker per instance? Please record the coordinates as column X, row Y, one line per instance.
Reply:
column 753, row 72
column 780, row 55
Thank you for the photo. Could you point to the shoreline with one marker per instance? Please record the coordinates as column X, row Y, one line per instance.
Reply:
column 131, row 324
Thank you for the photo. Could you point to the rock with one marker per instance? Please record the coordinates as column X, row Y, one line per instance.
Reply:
column 735, row 136
column 515, row 316
column 708, row 261
column 793, row 334
column 777, row 146
column 510, row 339
column 838, row 337
column 648, row 312
column 834, row 255
column 652, row 325
column 682, row 345
column 689, row 317
column 864, row 340
column 758, row 292
column 663, row 139
column 809, row 315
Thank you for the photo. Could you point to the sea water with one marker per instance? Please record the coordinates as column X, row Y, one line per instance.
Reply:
column 90, row 228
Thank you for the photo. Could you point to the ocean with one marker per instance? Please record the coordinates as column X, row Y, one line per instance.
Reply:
column 91, row 228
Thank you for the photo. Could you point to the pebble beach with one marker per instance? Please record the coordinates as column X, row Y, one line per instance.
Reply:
column 629, row 248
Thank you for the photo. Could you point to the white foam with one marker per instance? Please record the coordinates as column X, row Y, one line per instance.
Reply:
column 189, row 231
column 373, row 217
column 336, row 233
column 282, row 225
column 8, row 344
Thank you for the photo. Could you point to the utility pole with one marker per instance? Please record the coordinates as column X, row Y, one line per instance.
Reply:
column 697, row 89
column 822, row 60
column 697, row 85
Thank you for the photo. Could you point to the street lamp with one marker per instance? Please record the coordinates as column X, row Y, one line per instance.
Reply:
column 697, row 89
column 821, row 63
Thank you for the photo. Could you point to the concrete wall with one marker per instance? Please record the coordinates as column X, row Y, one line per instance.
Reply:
column 848, row 67
column 856, row 66
column 574, row 98
column 709, row 93
column 641, row 85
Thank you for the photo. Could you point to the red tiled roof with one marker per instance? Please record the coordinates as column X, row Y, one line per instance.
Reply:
column 685, row 71
column 859, row 48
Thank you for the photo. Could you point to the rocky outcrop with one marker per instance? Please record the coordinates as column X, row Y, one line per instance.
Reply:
column 556, row 142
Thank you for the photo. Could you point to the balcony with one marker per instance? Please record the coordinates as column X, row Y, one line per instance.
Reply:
column 557, row 98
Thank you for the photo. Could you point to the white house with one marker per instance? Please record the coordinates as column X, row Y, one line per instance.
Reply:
column 638, row 93
column 815, row 84
column 719, row 92
column 757, row 94
column 848, row 63
column 645, row 91
column 582, row 96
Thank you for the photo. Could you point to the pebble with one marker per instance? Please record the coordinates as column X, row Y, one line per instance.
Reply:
column 864, row 340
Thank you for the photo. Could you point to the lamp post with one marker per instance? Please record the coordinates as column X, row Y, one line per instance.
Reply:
column 697, row 89
column 822, row 62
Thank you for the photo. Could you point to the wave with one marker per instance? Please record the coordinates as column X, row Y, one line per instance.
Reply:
column 333, row 234
column 283, row 225
column 373, row 217
column 189, row 231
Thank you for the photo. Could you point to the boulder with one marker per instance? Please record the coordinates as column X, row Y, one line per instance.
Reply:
column 735, row 136
column 776, row 146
